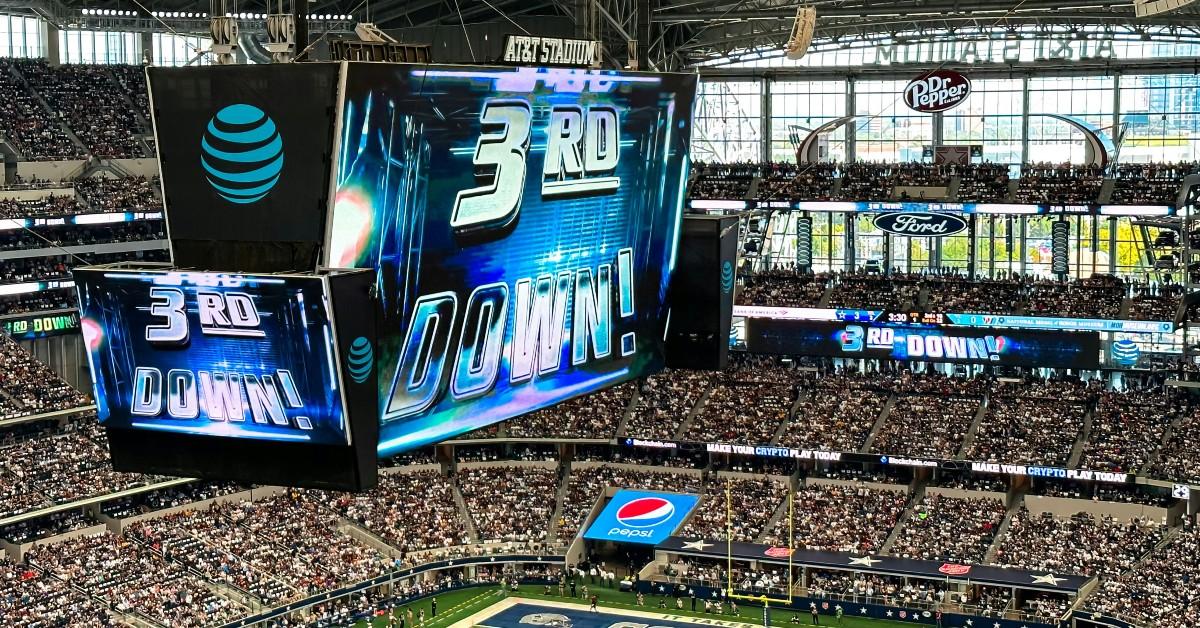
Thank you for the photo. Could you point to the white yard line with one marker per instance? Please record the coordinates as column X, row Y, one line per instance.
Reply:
column 478, row 618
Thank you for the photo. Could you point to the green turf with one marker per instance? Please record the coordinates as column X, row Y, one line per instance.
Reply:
column 457, row 605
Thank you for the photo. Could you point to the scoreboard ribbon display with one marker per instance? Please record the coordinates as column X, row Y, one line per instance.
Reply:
column 41, row 325
column 222, row 355
column 926, row 343
column 522, row 224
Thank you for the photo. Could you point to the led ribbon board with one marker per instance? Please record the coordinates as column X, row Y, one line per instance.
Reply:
column 522, row 224
column 924, row 343
column 641, row 517
column 237, row 356
column 30, row 326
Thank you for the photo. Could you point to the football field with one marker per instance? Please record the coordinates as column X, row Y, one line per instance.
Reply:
column 489, row 607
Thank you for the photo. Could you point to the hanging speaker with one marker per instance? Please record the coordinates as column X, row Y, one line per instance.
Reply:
column 1060, row 233
column 804, row 242
column 802, row 32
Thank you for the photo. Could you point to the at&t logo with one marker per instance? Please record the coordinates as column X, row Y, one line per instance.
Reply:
column 727, row 277
column 242, row 153
column 361, row 360
column 1126, row 352
column 642, row 514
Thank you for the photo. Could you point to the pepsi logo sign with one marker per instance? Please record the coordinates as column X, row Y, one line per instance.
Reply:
column 920, row 224
column 937, row 91
column 645, row 512
column 952, row 569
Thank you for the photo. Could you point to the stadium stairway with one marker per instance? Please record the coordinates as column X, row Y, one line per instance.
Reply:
column 781, row 511
column 368, row 538
column 952, row 187
column 1166, row 438
column 144, row 126
column 791, row 416
column 1013, row 184
column 969, row 437
column 825, row 297
column 560, row 496
column 914, row 497
column 625, row 416
column 223, row 590
column 11, row 154
column 463, row 512
column 835, row 190
column 1015, row 501
column 1077, row 449
column 46, row 105
column 686, row 424
column 752, row 192
column 1106, row 191
column 883, row 415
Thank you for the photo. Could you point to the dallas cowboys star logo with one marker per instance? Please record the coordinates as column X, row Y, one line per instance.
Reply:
column 1049, row 579
column 865, row 561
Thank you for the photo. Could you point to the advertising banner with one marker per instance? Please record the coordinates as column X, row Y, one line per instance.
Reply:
column 223, row 355
column 927, row 343
column 522, row 224
column 641, row 517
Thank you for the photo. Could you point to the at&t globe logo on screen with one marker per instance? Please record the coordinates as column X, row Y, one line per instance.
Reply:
column 361, row 360
column 727, row 277
column 1126, row 352
column 241, row 153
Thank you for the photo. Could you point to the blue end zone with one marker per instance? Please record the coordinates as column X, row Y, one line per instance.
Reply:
column 527, row 615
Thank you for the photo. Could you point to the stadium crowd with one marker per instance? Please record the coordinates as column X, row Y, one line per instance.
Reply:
column 840, row 518
column 412, row 511
column 91, row 103
column 1083, row 543
column 1099, row 296
column 665, row 400
column 510, row 503
column 754, row 500
column 1160, row 592
column 828, row 418
column 950, row 529
column 1128, row 427
column 985, row 182
column 134, row 579
column 592, row 416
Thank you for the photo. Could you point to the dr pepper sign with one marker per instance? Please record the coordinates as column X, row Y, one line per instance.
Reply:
column 938, row 90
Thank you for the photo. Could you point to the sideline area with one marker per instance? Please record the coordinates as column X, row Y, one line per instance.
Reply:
column 488, row 606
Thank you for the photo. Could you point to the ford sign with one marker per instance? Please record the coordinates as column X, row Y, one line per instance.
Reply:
column 920, row 224
column 938, row 90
